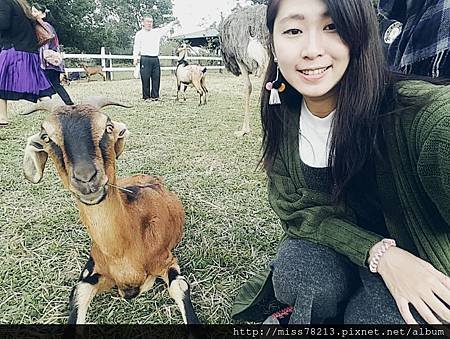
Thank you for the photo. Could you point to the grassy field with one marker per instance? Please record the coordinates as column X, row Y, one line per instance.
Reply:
column 230, row 231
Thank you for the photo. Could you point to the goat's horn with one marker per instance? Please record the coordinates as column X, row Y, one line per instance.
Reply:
column 44, row 105
column 100, row 102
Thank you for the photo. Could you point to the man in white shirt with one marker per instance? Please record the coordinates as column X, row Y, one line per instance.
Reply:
column 146, row 47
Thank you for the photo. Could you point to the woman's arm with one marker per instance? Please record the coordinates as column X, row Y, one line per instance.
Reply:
column 410, row 279
column 433, row 165
column 312, row 215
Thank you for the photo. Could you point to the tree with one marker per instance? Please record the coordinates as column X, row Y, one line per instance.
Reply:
column 87, row 25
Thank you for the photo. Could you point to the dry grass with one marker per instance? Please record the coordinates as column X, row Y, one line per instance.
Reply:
column 230, row 229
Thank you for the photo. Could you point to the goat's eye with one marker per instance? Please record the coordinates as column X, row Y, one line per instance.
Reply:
column 45, row 138
column 109, row 128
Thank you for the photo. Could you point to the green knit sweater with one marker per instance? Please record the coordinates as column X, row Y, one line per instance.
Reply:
column 413, row 183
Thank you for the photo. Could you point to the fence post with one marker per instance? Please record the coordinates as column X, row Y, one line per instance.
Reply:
column 220, row 61
column 103, row 55
column 111, row 73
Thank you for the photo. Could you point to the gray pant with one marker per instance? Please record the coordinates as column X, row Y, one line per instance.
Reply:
column 324, row 286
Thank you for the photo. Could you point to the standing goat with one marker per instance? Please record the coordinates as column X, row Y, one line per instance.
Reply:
column 190, row 75
column 134, row 223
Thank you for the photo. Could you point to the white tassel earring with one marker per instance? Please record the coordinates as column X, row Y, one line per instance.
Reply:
column 275, row 87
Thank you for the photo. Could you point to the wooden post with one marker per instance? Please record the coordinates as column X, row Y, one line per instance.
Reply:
column 111, row 74
column 103, row 55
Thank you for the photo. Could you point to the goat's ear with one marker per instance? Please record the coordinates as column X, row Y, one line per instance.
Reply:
column 121, row 132
column 34, row 159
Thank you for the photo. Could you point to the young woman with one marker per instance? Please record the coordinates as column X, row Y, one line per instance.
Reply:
column 51, row 61
column 358, row 162
column 20, row 74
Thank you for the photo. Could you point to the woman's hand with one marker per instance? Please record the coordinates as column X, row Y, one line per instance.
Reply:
column 413, row 280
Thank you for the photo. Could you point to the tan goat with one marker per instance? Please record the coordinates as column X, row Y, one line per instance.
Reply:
column 134, row 223
column 190, row 75
column 92, row 70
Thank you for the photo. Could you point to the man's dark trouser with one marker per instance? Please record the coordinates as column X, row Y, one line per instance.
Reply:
column 150, row 69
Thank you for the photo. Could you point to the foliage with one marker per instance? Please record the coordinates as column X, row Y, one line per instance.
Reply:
column 86, row 25
column 264, row 2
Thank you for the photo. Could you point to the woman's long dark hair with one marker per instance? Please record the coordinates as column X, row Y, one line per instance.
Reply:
column 360, row 92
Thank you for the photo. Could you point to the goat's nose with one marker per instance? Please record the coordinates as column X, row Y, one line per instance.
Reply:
column 130, row 292
column 84, row 172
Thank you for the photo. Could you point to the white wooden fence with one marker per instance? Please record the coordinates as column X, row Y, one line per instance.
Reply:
column 108, row 58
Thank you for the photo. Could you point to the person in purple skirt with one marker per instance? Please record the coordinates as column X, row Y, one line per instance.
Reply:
column 21, row 76
column 51, row 60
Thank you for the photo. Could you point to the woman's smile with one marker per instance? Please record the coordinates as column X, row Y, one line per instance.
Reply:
column 315, row 73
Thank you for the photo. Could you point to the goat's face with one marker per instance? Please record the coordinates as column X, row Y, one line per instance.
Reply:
column 83, row 143
column 183, row 51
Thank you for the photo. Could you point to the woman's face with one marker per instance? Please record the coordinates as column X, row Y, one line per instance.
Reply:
column 311, row 55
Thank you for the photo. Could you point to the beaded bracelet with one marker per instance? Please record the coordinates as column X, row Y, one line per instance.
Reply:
column 385, row 245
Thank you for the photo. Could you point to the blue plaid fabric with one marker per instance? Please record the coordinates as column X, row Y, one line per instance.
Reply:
column 426, row 30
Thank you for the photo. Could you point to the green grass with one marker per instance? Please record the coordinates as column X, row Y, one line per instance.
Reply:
column 230, row 231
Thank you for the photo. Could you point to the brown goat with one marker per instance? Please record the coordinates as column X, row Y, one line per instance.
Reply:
column 92, row 70
column 190, row 75
column 134, row 223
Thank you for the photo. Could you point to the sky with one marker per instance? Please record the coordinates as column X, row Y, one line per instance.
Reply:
column 195, row 15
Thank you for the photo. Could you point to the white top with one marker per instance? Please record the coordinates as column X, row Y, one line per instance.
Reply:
column 147, row 42
column 314, row 137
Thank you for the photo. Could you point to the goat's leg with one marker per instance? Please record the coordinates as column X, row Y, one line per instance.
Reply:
column 180, row 292
column 247, row 92
column 84, row 291
column 148, row 284
column 203, row 83
column 184, row 91
column 199, row 89
column 178, row 88
column 202, row 86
